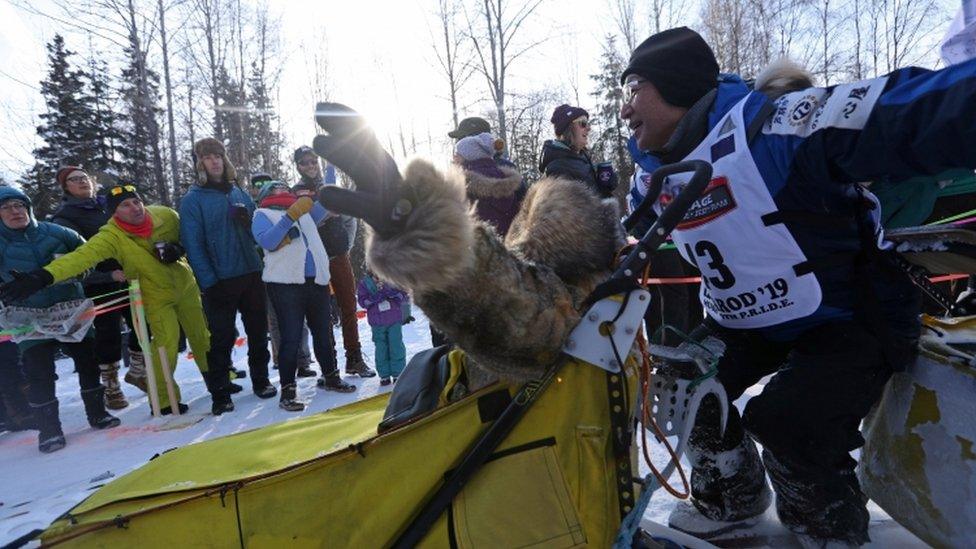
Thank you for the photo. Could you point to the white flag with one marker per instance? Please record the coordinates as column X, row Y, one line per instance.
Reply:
column 960, row 42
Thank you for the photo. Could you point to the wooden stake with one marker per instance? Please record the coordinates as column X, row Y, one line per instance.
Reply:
column 168, row 376
column 142, row 335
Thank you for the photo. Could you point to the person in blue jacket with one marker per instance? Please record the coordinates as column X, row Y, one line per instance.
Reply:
column 215, row 230
column 26, row 245
column 796, row 278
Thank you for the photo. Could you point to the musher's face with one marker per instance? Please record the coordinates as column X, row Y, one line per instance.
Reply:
column 309, row 167
column 214, row 164
column 14, row 214
column 650, row 118
column 132, row 211
column 79, row 185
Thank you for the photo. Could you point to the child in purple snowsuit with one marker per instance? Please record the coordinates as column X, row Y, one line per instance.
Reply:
column 384, row 311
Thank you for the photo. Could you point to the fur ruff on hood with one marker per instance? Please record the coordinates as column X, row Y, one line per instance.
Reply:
column 482, row 186
column 509, row 305
column 781, row 77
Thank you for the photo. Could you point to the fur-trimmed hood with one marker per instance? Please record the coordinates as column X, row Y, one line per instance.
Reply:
column 481, row 186
column 783, row 76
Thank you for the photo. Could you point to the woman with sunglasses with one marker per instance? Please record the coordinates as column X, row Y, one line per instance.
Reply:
column 566, row 156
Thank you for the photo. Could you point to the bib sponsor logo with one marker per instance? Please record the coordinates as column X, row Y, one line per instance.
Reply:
column 714, row 202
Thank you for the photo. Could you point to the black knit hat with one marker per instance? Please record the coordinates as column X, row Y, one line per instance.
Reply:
column 118, row 194
column 564, row 115
column 678, row 62
column 300, row 153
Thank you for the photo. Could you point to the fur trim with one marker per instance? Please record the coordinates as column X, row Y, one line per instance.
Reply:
column 481, row 186
column 781, row 77
column 434, row 248
column 564, row 225
column 210, row 145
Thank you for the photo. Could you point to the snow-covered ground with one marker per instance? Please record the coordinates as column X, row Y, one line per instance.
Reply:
column 36, row 488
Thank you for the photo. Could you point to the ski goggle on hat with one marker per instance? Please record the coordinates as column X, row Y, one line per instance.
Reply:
column 116, row 191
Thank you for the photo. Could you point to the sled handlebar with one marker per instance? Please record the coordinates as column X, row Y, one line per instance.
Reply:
column 669, row 218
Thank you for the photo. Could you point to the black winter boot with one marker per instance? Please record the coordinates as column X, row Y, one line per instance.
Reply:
column 355, row 365
column 219, row 386
column 289, row 399
column 51, row 438
column 263, row 388
column 333, row 382
column 98, row 418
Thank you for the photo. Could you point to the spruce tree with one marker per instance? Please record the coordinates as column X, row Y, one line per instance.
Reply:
column 105, row 121
column 142, row 161
column 608, row 137
column 66, row 129
column 264, row 142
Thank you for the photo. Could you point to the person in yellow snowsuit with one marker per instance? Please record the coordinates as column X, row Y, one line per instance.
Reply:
column 145, row 241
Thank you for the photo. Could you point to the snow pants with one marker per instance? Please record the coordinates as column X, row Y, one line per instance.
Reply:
column 391, row 353
column 222, row 301
column 165, row 315
column 807, row 418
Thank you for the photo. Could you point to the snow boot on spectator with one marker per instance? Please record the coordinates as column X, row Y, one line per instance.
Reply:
column 219, row 387
column 136, row 376
column 333, row 382
column 263, row 388
column 355, row 365
column 18, row 412
column 51, row 438
column 98, row 418
column 289, row 400
column 114, row 397
column 305, row 371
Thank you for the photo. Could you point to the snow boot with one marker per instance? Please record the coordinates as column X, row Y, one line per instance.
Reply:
column 385, row 381
column 688, row 519
column 305, row 371
column 289, row 400
column 18, row 412
column 333, row 382
column 263, row 388
column 355, row 365
column 136, row 376
column 114, row 397
column 168, row 410
column 51, row 438
column 98, row 418
column 219, row 388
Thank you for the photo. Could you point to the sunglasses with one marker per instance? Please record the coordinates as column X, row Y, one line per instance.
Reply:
column 630, row 89
column 582, row 123
column 116, row 191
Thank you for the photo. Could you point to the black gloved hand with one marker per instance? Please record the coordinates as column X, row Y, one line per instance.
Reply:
column 169, row 252
column 25, row 285
column 240, row 214
column 352, row 147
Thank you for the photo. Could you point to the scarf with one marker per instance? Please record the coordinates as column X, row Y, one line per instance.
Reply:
column 142, row 230
column 279, row 201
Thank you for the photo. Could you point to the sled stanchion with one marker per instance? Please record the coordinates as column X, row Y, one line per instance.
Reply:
column 168, row 377
column 142, row 335
column 629, row 269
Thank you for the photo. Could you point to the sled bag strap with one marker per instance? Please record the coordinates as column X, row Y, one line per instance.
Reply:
column 621, row 435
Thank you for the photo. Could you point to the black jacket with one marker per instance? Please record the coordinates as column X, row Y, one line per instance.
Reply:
column 86, row 217
column 559, row 160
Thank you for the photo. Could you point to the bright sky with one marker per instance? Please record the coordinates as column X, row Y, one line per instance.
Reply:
column 380, row 61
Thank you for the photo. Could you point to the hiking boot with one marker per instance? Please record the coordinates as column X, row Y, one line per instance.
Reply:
column 335, row 383
column 114, row 397
column 355, row 365
column 51, row 438
column 305, row 371
column 385, row 381
column 218, row 385
column 289, row 401
column 136, row 376
column 98, row 418
column 264, row 389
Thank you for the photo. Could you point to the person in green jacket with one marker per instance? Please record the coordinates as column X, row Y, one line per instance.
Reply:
column 145, row 240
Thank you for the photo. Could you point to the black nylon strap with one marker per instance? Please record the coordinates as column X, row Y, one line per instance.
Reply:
column 757, row 123
column 809, row 219
column 621, row 437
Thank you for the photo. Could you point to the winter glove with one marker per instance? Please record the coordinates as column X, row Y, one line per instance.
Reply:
column 169, row 252
column 301, row 207
column 25, row 285
column 352, row 147
column 240, row 214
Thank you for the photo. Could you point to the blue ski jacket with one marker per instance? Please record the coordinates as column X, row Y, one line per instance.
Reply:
column 218, row 246
column 819, row 142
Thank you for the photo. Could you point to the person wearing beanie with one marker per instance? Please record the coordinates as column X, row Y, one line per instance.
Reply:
column 338, row 234
column 296, row 272
column 215, row 230
column 84, row 212
column 786, row 163
column 145, row 240
column 26, row 245
column 566, row 156
column 491, row 188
